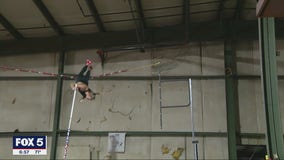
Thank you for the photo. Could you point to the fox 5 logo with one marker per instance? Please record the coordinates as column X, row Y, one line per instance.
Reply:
column 29, row 142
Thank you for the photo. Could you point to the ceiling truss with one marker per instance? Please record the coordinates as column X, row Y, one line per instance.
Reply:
column 238, row 10
column 44, row 10
column 10, row 28
column 220, row 12
column 95, row 15
column 140, row 37
column 154, row 37
column 186, row 11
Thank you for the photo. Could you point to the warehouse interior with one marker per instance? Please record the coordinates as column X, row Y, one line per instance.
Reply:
column 175, row 79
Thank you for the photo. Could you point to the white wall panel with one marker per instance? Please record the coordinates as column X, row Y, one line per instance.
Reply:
column 27, row 105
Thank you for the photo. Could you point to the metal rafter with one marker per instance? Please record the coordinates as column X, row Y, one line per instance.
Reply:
column 44, row 10
column 186, row 18
column 238, row 10
column 140, row 25
column 169, row 35
column 221, row 8
column 11, row 29
column 186, row 11
column 95, row 15
column 139, row 9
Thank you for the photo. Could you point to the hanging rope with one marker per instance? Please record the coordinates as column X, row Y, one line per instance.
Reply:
column 69, row 125
column 27, row 70
column 71, row 76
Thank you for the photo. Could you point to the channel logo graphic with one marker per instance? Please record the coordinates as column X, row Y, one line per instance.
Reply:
column 29, row 145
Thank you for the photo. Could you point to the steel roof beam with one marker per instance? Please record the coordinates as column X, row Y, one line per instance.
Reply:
column 139, row 9
column 11, row 29
column 155, row 37
column 141, row 24
column 239, row 9
column 186, row 11
column 95, row 15
column 44, row 10
column 220, row 12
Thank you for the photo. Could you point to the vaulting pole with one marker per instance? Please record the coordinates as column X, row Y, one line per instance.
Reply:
column 69, row 125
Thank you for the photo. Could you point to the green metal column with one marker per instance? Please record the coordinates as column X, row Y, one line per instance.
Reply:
column 274, row 134
column 231, row 98
column 57, row 107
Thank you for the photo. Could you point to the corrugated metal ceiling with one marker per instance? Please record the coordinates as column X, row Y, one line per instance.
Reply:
column 32, row 26
column 75, row 16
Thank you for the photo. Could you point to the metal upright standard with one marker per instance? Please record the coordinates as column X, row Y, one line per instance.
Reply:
column 189, row 86
column 57, row 110
column 69, row 125
column 194, row 141
column 274, row 132
column 232, row 107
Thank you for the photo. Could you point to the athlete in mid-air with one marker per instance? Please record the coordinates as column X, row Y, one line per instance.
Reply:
column 82, row 82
